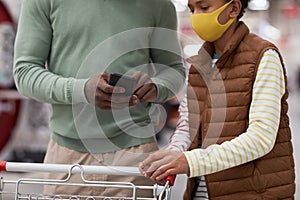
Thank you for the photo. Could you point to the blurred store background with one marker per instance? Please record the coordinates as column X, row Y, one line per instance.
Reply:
column 23, row 122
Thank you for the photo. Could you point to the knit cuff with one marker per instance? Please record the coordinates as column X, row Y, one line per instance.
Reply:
column 78, row 95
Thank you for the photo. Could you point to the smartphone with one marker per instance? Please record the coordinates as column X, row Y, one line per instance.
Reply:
column 122, row 81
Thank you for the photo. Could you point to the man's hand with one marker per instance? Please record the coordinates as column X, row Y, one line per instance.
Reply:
column 145, row 90
column 159, row 165
column 99, row 93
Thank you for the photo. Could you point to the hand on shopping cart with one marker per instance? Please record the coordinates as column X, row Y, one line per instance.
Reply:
column 161, row 164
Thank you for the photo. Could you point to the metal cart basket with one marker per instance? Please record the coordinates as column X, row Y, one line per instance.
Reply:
column 19, row 193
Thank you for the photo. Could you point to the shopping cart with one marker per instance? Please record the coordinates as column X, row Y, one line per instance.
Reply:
column 19, row 193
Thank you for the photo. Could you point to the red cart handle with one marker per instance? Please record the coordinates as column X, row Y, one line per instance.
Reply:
column 2, row 165
column 171, row 179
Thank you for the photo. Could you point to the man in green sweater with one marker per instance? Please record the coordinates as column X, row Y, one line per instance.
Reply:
column 65, row 52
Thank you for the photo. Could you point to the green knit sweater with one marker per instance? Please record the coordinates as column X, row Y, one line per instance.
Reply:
column 61, row 43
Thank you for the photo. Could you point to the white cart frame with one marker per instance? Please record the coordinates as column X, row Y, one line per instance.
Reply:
column 159, row 192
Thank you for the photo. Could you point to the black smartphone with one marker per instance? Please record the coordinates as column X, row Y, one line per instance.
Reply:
column 122, row 81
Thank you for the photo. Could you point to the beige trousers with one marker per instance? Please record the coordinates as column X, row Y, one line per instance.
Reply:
column 126, row 157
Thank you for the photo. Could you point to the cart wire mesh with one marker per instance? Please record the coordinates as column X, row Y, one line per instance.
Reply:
column 22, row 187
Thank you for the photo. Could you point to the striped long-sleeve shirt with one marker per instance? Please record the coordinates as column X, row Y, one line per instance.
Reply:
column 260, row 136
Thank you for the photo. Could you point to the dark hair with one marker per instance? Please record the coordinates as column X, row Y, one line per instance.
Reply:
column 244, row 7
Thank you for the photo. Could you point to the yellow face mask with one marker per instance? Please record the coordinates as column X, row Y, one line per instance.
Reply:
column 207, row 26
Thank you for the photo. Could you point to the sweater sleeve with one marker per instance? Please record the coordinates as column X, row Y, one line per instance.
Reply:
column 32, row 48
column 165, row 53
column 264, row 118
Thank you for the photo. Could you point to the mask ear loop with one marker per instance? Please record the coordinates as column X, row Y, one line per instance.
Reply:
column 232, row 1
column 226, row 5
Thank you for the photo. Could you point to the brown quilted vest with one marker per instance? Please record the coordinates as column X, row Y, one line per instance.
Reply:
column 222, row 95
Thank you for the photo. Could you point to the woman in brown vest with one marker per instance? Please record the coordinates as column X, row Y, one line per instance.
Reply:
column 233, row 138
